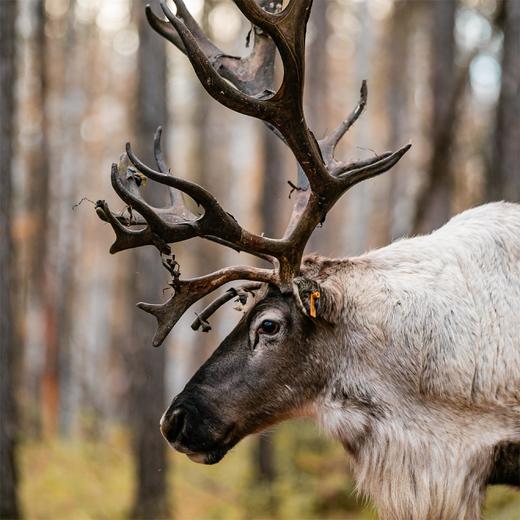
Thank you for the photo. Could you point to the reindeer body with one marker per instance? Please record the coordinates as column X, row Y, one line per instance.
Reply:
column 427, row 354
column 410, row 354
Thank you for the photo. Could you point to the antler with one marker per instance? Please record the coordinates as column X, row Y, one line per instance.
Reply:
column 243, row 85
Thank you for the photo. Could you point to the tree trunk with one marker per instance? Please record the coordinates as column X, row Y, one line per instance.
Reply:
column 504, row 173
column 148, row 374
column 273, row 183
column 42, row 274
column 72, row 58
column 8, row 475
column 263, row 457
column 210, row 148
column 317, row 71
column 360, row 206
column 37, row 211
column 435, row 201
column 400, row 31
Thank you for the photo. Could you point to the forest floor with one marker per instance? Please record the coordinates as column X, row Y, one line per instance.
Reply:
column 82, row 479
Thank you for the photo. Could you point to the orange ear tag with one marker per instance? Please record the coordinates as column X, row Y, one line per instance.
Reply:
column 315, row 295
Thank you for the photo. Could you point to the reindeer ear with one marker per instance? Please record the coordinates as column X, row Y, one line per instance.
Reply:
column 308, row 294
column 317, row 300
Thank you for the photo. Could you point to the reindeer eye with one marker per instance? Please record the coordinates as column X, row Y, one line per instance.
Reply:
column 269, row 327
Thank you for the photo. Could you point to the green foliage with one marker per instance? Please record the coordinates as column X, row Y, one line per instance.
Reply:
column 93, row 480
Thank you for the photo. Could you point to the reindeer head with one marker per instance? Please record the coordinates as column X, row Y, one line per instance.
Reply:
column 271, row 367
column 275, row 361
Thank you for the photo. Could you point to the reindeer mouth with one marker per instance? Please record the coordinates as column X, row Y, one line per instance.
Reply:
column 199, row 448
column 208, row 458
column 203, row 457
column 193, row 429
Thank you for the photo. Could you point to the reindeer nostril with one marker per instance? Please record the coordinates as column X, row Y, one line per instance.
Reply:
column 172, row 424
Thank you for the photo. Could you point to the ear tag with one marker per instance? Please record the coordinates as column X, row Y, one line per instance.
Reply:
column 315, row 295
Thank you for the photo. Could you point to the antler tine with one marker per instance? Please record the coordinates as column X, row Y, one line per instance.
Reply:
column 329, row 143
column 157, row 151
column 258, row 16
column 310, row 210
column 129, row 191
column 201, row 196
column 176, row 197
column 216, row 224
column 216, row 86
column 189, row 291
column 132, row 184
column 201, row 319
column 241, row 72
column 225, row 63
column 190, row 22
column 177, row 229
column 164, row 29
column 287, row 29
column 161, row 225
column 342, row 168
column 357, row 172
column 125, row 238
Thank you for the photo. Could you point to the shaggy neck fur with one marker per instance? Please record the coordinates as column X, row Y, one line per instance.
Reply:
column 426, row 364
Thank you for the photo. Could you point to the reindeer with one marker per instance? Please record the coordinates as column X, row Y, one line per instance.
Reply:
column 409, row 355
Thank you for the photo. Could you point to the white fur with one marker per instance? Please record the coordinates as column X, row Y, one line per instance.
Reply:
column 427, row 366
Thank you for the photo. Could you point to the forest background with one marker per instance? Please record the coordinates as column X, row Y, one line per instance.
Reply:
column 82, row 390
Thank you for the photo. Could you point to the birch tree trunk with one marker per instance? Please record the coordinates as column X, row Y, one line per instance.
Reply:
column 8, row 477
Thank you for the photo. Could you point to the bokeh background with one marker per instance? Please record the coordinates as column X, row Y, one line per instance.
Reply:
column 88, row 75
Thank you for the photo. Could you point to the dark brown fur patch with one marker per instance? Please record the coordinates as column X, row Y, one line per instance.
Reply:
column 506, row 466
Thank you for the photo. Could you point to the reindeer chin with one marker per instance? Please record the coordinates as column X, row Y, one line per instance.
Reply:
column 211, row 457
column 199, row 458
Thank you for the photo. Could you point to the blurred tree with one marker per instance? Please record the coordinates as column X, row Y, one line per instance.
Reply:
column 38, row 195
column 503, row 180
column 317, row 72
column 435, row 200
column 44, row 296
column 264, row 466
column 147, row 376
column 8, row 471
column 206, row 152
column 55, row 176
column 360, row 205
column 398, row 37
column 317, row 69
column 273, row 182
column 69, row 173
